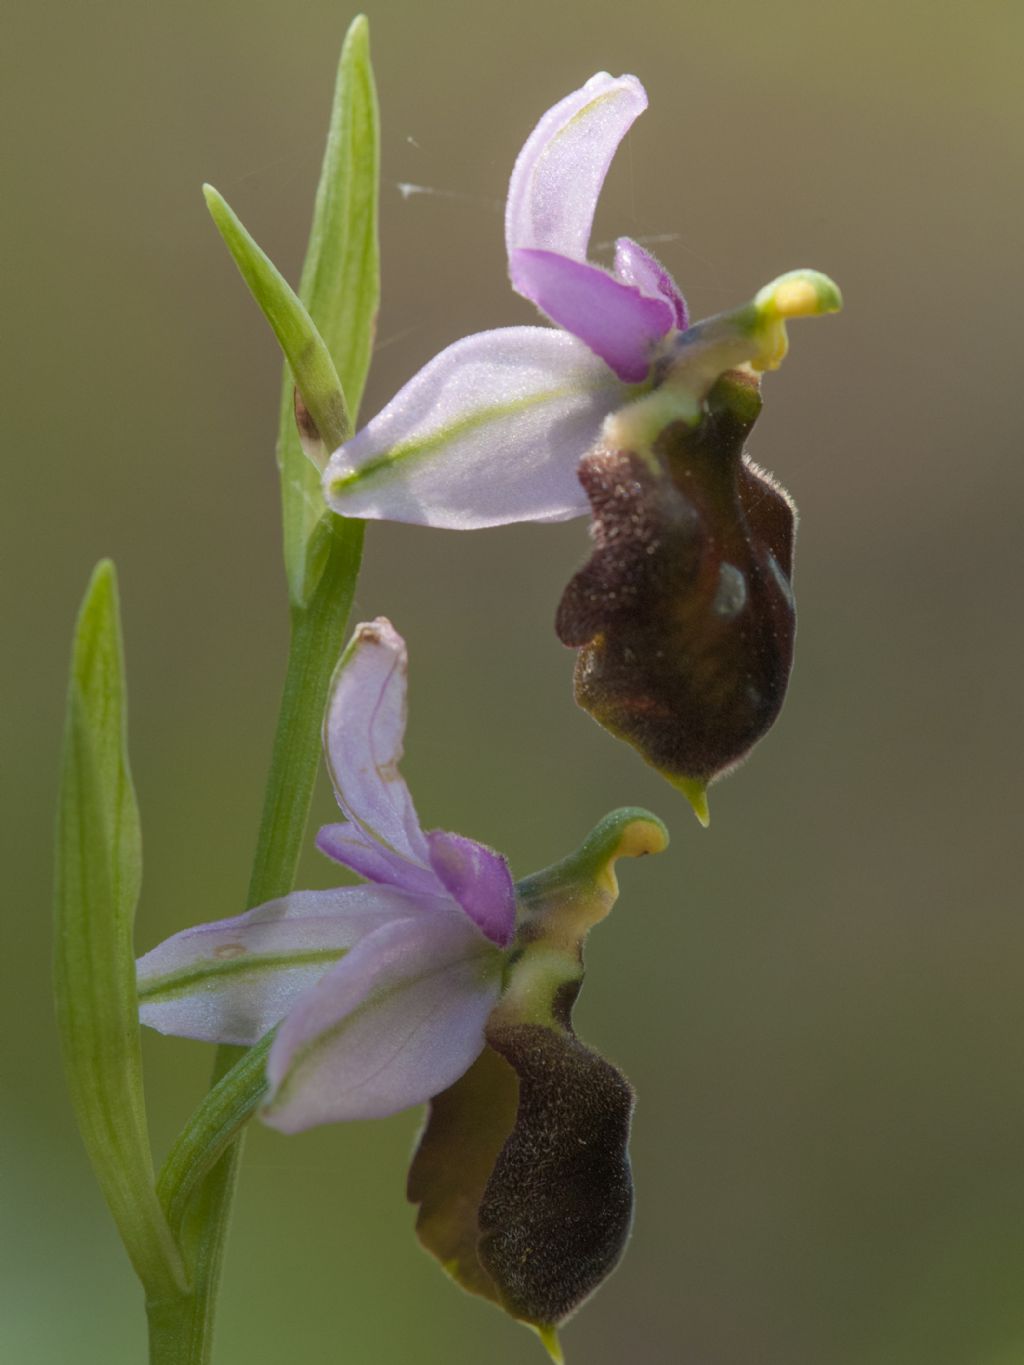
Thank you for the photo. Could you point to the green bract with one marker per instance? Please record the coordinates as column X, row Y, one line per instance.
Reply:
column 325, row 330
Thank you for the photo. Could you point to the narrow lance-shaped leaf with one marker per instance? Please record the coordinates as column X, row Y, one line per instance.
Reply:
column 98, row 874
column 317, row 413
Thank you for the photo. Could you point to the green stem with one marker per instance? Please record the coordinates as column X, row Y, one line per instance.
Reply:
column 318, row 630
column 169, row 1330
column 181, row 1327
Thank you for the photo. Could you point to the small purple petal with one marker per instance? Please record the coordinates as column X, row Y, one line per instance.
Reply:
column 479, row 879
column 352, row 847
column 489, row 432
column 363, row 732
column 559, row 173
column 617, row 321
column 398, row 1020
column 634, row 265
column 232, row 980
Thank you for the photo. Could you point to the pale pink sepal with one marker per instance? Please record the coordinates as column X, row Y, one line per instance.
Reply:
column 232, row 980
column 558, row 174
column 399, row 1019
column 488, row 432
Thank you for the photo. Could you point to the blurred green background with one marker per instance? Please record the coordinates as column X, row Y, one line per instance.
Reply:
column 819, row 1000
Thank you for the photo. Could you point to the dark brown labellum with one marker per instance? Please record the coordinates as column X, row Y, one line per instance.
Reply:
column 684, row 615
column 522, row 1171
column 556, row 1213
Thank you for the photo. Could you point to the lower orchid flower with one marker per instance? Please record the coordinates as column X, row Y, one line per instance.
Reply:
column 417, row 984
column 537, row 424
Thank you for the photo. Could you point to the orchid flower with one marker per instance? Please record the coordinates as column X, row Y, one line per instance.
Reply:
column 416, row 985
column 492, row 430
column 522, row 1172
column 384, row 989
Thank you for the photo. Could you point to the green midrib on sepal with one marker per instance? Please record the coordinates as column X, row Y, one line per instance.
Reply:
column 176, row 984
column 439, row 440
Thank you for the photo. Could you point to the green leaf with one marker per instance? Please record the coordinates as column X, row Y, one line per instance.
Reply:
column 98, row 874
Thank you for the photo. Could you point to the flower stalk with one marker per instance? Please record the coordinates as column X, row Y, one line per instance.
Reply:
column 325, row 332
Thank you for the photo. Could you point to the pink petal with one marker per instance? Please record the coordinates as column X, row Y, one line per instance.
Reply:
column 232, row 980
column 398, row 1020
column 479, row 879
column 489, row 432
column 559, row 173
column 638, row 267
column 351, row 846
column 617, row 321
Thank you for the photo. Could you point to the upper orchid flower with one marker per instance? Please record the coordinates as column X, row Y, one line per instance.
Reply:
column 384, row 988
column 492, row 430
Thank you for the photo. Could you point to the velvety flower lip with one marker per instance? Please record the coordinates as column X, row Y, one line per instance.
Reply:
column 381, row 991
column 684, row 616
column 490, row 431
